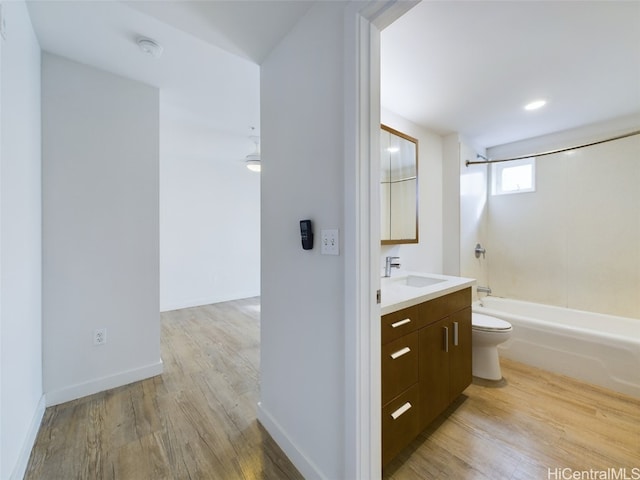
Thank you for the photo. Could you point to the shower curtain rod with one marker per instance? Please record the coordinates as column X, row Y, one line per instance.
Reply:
column 550, row 152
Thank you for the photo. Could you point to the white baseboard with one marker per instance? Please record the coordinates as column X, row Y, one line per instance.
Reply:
column 198, row 302
column 80, row 390
column 25, row 452
column 306, row 467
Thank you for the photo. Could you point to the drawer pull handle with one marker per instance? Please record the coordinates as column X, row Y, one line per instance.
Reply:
column 401, row 410
column 401, row 352
column 400, row 323
column 446, row 339
column 455, row 334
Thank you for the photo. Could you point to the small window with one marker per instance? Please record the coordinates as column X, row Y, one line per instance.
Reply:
column 518, row 176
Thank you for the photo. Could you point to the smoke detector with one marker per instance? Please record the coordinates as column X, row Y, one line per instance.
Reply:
column 150, row 47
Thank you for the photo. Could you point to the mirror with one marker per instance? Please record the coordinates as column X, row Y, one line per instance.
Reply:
column 398, row 187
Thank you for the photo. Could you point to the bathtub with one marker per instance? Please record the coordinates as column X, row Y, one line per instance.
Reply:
column 599, row 349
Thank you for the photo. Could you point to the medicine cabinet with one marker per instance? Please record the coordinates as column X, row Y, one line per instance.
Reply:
column 398, row 187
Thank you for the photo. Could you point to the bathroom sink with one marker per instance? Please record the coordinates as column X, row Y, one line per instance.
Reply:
column 407, row 289
column 418, row 281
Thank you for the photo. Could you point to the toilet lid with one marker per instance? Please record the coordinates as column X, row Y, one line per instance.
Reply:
column 481, row 321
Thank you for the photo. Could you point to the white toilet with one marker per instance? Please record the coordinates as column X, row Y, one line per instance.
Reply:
column 486, row 334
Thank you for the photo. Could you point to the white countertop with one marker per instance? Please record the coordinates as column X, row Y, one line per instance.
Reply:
column 397, row 294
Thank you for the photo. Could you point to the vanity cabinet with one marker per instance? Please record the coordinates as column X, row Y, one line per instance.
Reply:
column 426, row 364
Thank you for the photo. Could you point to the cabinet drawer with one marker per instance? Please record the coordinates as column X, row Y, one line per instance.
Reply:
column 398, row 324
column 400, row 423
column 441, row 307
column 399, row 366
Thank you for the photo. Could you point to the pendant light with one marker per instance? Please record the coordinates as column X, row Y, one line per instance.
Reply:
column 252, row 161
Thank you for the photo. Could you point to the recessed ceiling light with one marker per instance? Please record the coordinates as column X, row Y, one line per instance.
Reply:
column 535, row 105
column 150, row 47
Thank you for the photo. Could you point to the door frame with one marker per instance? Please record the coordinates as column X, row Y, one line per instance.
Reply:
column 363, row 422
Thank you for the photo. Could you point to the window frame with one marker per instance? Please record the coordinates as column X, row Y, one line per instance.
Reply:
column 497, row 170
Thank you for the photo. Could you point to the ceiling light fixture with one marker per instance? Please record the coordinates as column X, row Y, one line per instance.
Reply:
column 535, row 105
column 150, row 47
column 252, row 161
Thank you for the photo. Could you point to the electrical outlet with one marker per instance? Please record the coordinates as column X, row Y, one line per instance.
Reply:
column 100, row 336
column 330, row 242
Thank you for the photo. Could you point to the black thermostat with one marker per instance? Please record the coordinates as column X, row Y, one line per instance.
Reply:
column 306, row 233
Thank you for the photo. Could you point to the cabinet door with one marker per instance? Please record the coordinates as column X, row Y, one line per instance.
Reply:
column 434, row 370
column 460, row 352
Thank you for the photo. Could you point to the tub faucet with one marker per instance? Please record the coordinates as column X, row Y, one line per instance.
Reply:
column 486, row 290
column 389, row 264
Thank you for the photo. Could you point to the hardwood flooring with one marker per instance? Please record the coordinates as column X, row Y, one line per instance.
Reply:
column 537, row 426
column 198, row 420
column 195, row 421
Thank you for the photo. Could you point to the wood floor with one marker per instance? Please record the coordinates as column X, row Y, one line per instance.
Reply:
column 195, row 421
column 198, row 420
column 533, row 427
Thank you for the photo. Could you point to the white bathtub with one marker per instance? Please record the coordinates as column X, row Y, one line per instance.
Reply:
column 599, row 349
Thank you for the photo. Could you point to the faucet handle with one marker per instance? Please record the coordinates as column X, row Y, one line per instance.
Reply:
column 389, row 264
column 390, row 261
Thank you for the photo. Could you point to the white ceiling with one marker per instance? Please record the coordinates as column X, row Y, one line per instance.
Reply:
column 451, row 66
column 470, row 66
column 247, row 28
column 208, row 74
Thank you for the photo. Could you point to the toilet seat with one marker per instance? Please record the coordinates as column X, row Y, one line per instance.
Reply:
column 486, row 323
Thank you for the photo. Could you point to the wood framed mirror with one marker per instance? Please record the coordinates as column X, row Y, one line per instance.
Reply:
column 398, row 187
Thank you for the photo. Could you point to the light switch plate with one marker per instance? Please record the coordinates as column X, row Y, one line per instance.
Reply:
column 329, row 242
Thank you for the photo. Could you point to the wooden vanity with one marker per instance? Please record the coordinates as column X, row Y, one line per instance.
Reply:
column 426, row 364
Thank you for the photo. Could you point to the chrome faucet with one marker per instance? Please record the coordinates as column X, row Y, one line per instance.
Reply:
column 389, row 264
column 486, row 290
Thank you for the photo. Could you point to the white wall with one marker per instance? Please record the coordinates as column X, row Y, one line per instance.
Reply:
column 473, row 215
column 465, row 209
column 425, row 256
column 575, row 242
column 302, row 334
column 320, row 120
column 209, row 219
column 451, row 151
column 100, row 229
column 21, row 405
